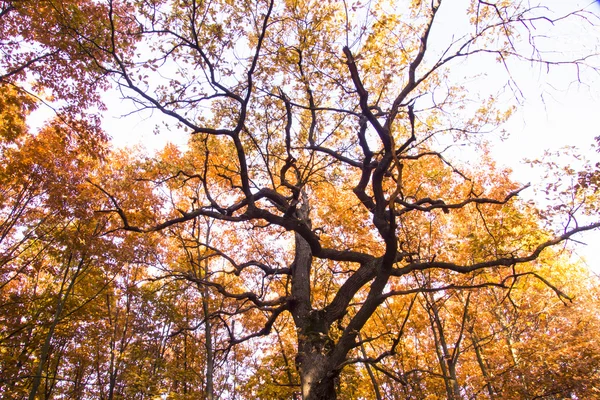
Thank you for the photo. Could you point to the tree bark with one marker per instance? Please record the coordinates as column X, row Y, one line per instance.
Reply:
column 314, row 345
column 316, row 381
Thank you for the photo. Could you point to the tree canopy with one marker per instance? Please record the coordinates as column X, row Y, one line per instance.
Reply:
column 335, row 226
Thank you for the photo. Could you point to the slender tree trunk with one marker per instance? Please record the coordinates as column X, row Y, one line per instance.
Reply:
column 210, row 358
column 208, row 341
column 52, row 369
column 62, row 298
column 446, row 360
column 482, row 365
column 441, row 359
column 118, row 343
column 370, row 372
column 288, row 367
column 514, row 354
column 185, row 354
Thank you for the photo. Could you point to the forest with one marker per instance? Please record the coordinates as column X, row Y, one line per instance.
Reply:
column 335, row 226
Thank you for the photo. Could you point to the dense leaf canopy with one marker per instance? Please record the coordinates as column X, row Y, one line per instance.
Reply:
column 335, row 226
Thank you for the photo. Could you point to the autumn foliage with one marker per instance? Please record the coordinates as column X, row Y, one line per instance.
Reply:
column 335, row 227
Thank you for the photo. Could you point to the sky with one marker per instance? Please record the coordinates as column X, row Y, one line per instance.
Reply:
column 557, row 108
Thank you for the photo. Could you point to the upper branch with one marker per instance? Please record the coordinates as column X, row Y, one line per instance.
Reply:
column 413, row 82
column 499, row 262
column 363, row 96
column 427, row 204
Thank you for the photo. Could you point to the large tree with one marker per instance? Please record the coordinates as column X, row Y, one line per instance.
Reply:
column 337, row 166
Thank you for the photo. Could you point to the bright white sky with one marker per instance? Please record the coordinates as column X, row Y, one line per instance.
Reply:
column 558, row 111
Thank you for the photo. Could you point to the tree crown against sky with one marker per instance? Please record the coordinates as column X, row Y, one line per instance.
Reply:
column 337, row 177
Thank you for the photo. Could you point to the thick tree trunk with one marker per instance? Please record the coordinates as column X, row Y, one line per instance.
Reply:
column 316, row 382
column 319, row 356
column 323, row 390
column 317, row 376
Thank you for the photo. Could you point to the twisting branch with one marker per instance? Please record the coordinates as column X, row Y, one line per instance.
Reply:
column 363, row 96
column 500, row 262
column 250, row 296
column 392, row 351
column 427, row 204
column 266, row 330
column 413, row 82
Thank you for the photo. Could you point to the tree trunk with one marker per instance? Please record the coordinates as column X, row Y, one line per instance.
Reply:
column 208, row 339
column 208, row 346
column 446, row 360
column 63, row 294
column 482, row 365
column 316, row 381
column 370, row 371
